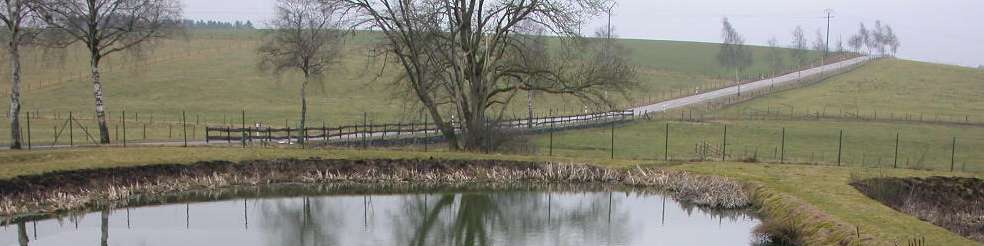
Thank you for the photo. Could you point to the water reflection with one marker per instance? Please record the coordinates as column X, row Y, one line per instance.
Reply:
column 464, row 218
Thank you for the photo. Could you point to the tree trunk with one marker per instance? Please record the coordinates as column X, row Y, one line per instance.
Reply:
column 98, row 92
column 15, row 91
column 104, row 228
column 304, row 84
column 22, row 238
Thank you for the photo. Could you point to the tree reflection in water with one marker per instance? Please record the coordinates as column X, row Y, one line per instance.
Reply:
column 300, row 222
column 509, row 217
column 514, row 218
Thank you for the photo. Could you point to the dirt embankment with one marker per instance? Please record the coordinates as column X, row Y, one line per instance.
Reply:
column 114, row 187
column 954, row 203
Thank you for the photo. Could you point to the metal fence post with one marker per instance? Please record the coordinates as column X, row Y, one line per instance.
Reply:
column 71, row 130
column 898, row 136
column 184, row 128
column 243, row 131
column 724, row 144
column 666, row 148
column 840, row 147
column 365, row 126
column 613, row 140
column 782, row 148
column 551, row 133
column 124, row 128
column 426, row 141
column 953, row 154
column 28, row 130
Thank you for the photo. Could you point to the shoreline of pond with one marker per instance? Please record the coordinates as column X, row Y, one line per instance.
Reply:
column 58, row 192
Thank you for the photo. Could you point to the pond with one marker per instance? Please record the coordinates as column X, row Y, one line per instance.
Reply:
column 497, row 217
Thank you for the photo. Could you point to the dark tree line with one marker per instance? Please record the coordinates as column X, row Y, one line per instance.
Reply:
column 211, row 24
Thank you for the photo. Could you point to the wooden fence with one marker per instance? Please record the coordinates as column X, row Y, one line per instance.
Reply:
column 399, row 132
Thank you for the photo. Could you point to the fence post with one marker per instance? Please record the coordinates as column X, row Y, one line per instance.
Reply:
column 71, row 130
column 184, row 128
column 206, row 134
column 124, row 128
column 365, row 126
column 426, row 141
column 724, row 144
column 613, row 140
column 898, row 136
column 324, row 131
column 840, row 147
column 666, row 148
column 28, row 130
column 953, row 153
column 551, row 133
column 243, row 131
column 287, row 125
column 782, row 152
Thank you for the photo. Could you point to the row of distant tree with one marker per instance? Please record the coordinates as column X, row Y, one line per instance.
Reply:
column 734, row 54
column 211, row 24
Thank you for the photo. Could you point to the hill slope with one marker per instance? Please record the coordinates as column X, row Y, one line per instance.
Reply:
column 213, row 75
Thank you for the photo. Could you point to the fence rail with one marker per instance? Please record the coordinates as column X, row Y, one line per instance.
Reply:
column 365, row 133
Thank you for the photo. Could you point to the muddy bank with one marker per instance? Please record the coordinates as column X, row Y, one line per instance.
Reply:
column 954, row 203
column 115, row 187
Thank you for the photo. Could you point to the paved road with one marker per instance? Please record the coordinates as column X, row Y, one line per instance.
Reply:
column 747, row 87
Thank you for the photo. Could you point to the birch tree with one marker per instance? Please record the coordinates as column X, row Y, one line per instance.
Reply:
column 17, row 22
column 733, row 53
column 467, row 57
column 106, row 27
column 820, row 45
column 776, row 59
column 798, row 50
column 308, row 38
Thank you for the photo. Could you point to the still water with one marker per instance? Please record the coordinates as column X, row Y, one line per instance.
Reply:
column 437, row 218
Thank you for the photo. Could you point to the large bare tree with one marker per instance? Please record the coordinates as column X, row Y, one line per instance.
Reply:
column 18, row 30
column 733, row 53
column 105, row 27
column 308, row 38
column 469, row 57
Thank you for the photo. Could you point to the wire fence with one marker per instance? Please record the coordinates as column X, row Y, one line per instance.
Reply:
column 860, row 145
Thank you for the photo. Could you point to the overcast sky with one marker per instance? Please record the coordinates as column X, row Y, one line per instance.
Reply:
column 945, row 31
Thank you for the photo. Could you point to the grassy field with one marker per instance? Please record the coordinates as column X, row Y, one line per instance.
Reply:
column 213, row 75
column 890, row 88
column 823, row 187
column 921, row 146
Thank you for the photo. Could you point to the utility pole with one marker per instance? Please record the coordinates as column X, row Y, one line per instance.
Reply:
column 829, row 16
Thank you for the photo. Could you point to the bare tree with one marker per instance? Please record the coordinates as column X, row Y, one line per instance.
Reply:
column 878, row 38
column 820, row 45
column 733, row 53
column 855, row 42
column 865, row 37
column 308, row 37
column 106, row 27
column 892, row 40
column 798, row 50
column 776, row 59
column 18, row 31
column 466, row 56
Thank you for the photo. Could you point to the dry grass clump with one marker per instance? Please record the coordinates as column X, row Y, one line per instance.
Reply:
column 73, row 190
